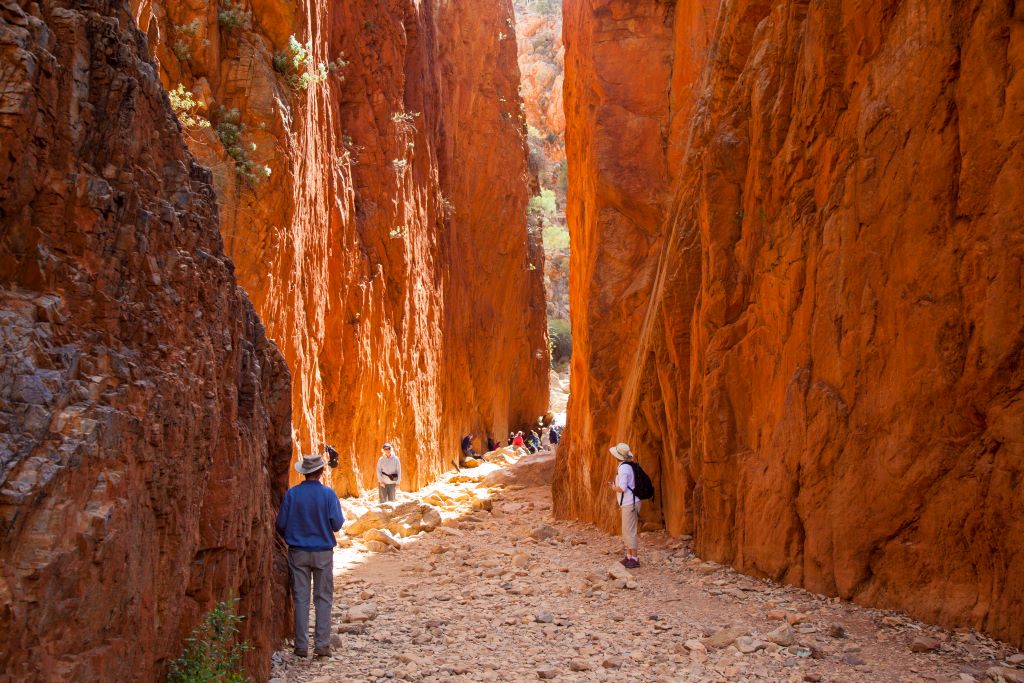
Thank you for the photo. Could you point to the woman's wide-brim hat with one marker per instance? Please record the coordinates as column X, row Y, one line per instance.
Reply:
column 621, row 451
column 308, row 464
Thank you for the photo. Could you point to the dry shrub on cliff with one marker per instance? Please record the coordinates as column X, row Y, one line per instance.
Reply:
column 232, row 16
column 230, row 130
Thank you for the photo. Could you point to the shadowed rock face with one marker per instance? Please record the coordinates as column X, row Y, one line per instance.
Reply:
column 807, row 319
column 145, row 438
column 387, row 251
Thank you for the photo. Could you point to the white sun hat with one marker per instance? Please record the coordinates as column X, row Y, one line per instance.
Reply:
column 621, row 452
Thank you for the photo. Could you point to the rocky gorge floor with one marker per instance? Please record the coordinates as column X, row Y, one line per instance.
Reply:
column 472, row 579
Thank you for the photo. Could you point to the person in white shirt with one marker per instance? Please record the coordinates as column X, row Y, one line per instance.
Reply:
column 629, row 504
column 389, row 473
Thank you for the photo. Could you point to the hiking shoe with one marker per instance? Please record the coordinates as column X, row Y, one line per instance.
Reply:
column 625, row 562
column 324, row 651
column 632, row 563
column 300, row 652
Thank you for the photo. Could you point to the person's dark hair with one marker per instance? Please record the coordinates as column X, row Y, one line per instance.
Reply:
column 314, row 475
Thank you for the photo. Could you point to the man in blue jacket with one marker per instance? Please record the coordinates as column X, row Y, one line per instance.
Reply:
column 310, row 514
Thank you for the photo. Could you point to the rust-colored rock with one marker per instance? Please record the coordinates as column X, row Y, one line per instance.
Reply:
column 796, row 290
column 387, row 250
column 145, row 414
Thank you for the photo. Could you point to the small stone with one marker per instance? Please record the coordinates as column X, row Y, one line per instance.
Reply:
column 924, row 644
column 854, row 660
column 747, row 645
column 795, row 618
column 724, row 637
column 612, row 663
column 520, row 560
column 776, row 615
column 812, row 678
column 632, row 585
column 617, row 571
column 544, row 532
column 1016, row 659
column 546, row 671
column 544, row 617
column 784, row 635
column 360, row 613
column 580, row 664
column 694, row 645
column 837, row 630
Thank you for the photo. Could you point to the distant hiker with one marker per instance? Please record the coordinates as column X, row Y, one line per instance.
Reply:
column 467, row 449
column 517, row 441
column 332, row 456
column 534, row 440
column 553, row 436
column 629, row 504
column 309, row 516
column 492, row 445
column 389, row 472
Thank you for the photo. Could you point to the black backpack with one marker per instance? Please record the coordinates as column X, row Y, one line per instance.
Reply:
column 643, row 489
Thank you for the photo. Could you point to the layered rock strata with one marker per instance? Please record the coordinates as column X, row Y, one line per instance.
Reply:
column 386, row 247
column 145, row 415
column 796, row 290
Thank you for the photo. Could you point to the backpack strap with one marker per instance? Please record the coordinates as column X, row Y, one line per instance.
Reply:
column 622, row 496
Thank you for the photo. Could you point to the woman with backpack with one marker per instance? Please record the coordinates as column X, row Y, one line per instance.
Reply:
column 631, row 485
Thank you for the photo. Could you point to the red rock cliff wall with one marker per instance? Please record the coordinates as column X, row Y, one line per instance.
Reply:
column 145, row 415
column 829, row 379
column 387, row 251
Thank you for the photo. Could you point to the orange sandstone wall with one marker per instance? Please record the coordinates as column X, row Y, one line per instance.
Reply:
column 387, row 250
column 819, row 352
column 145, row 415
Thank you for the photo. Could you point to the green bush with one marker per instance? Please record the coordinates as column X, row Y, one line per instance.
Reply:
column 560, row 339
column 556, row 237
column 213, row 653
column 544, row 202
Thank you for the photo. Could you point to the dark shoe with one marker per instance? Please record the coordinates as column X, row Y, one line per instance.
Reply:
column 625, row 562
column 324, row 651
column 300, row 652
column 632, row 563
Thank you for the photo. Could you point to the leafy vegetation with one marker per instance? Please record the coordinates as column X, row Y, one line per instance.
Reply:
column 214, row 653
column 184, row 104
column 560, row 340
column 233, row 16
column 230, row 130
column 181, row 50
column 188, row 29
column 556, row 237
column 544, row 202
column 296, row 64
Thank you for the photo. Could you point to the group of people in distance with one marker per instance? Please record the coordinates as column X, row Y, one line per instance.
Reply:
column 310, row 516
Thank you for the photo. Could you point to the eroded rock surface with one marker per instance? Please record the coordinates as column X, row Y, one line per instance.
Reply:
column 796, row 290
column 387, row 250
column 145, row 437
